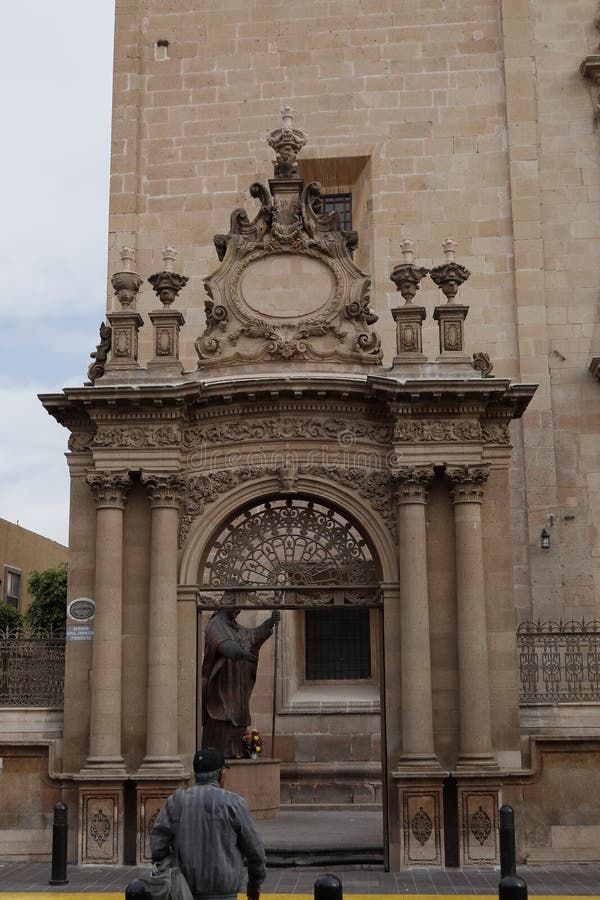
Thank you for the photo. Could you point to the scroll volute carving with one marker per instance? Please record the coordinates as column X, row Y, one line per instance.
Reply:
column 287, row 287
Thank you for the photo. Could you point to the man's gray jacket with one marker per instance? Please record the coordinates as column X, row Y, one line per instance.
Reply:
column 216, row 833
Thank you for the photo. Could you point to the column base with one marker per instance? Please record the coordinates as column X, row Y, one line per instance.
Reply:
column 161, row 766
column 409, row 358
column 414, row 762
column 104, row 767
column 469, row 762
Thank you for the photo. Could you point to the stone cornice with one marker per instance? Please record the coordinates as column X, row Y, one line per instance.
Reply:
column 458, row 396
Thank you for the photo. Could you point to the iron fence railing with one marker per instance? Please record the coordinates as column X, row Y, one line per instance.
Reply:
column 559, row 662
column 32, row 668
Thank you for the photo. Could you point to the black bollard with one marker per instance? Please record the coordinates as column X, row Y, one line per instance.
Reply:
column 511, row 887
column 60, row 830
column 328, row 887
column 138, row 890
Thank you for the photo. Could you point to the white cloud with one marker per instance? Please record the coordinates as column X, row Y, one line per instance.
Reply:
column 33, row 469
column 56, row 68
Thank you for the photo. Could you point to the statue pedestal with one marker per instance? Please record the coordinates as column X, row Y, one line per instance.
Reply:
column 257, row 781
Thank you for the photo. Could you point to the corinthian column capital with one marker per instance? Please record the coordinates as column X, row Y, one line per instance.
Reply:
column 109, row 488
column 412, row 483
column 467, row 483
column 165, row 490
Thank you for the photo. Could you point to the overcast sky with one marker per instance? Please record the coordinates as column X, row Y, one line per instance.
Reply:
column 56, row 76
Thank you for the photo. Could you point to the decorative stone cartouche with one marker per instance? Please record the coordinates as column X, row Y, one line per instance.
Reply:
column 287, row 287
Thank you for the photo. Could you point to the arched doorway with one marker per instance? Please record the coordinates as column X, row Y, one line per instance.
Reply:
column 311, row 559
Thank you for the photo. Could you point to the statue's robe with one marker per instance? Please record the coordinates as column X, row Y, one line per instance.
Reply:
column 228, row 681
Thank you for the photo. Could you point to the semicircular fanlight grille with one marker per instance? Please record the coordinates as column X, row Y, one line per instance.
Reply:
column 289, row 542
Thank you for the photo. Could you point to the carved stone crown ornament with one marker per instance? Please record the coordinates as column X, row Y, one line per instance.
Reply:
column 287, row 287
column 450, row 275
column 287, row 142
column 167, row 283
column 406, row 276
column 126, row 282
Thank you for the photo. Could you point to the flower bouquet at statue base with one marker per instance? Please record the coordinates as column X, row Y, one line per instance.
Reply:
column 252, row 744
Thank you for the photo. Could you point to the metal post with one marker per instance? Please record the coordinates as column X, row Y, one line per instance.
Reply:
column 274, row 708
column 511, row 887
column 60, row 830
column 138, row 890
column 328, row 887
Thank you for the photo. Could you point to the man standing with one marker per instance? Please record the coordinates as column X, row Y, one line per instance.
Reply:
column 216, row 834
column 228, row 675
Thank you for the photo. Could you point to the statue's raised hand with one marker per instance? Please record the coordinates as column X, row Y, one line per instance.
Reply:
column 275, row 617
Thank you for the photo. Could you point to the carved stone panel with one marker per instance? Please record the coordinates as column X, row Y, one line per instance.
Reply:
column 422, row 826
column 479, row 833
column 149, row 803
column 101, row 826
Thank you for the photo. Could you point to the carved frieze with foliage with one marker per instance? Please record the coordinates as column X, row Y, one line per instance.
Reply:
column 134, row 436
column 233, row 430
column 437, row 430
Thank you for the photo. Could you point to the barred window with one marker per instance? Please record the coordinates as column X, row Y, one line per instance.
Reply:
column 338, row 644
column 12, row 586
column 342, row 204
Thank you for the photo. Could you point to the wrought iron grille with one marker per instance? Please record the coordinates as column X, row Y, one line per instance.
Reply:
column 559, row 662
column 342, row 204
column 287, row 543
column 338, row 643
column 32, row 668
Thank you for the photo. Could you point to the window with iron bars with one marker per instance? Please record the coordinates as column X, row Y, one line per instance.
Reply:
column 342, row 204
column 337, row 644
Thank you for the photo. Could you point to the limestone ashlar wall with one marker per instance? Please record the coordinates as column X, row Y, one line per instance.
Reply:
column 418, row 92
column 467, row 119
column 566, row 407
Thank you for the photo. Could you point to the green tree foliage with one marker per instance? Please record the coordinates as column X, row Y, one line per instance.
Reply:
column 49, row 608
column 9, row 616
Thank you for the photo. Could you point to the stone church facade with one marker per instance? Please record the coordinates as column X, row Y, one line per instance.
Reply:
column 349, row 370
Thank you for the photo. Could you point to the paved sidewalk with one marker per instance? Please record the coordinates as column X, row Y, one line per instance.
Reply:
column 298, row 835
column 24, row 880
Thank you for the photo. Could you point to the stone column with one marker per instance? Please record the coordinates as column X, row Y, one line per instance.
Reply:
column 415, row 654
column 110, row 493
column 467, row 485
column 161, row 728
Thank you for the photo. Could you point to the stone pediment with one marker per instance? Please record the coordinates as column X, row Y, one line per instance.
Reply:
column 287, row 287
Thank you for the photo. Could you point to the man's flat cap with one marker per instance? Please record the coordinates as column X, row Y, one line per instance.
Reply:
column 208, row 760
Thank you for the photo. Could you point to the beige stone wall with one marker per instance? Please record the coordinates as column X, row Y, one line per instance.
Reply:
column 29, row 552
column 468, row 120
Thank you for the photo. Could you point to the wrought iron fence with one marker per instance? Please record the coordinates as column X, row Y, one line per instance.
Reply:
column 559, row 662
column 32, row 668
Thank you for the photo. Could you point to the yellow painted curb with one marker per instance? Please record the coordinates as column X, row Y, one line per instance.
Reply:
column 119, row 895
